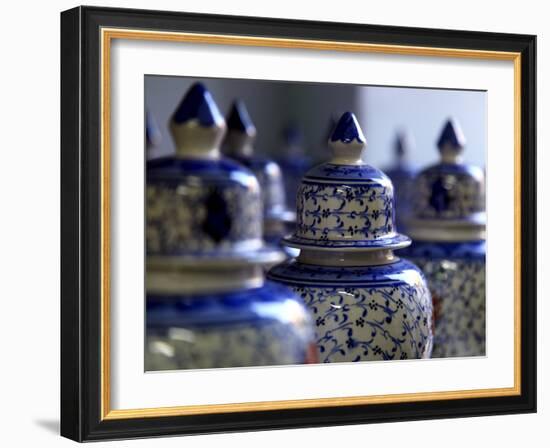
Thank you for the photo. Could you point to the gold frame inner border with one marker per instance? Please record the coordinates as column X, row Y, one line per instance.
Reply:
column 107, row 35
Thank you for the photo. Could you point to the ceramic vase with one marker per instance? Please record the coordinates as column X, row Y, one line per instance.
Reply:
column 367, row 303
column 208, row 303
column 293, row 161
column 448, row 230
column 239, row 145
column 402, row 175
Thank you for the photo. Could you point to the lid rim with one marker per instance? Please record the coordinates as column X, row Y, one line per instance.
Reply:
column 399, row 241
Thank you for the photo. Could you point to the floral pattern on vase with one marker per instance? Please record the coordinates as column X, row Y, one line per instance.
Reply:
column 343, row 212
column 450, row 189
column 449, row 192
column 448, row 229
column 456, row 275
column 215, row 212
column 208, row 303
column 367, row 303
column 376, row 312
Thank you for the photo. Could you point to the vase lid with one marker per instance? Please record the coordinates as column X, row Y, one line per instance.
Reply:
column 241, row 132
column 449, row 202
column 203, row 208
column 197, row 126
column 346, row 204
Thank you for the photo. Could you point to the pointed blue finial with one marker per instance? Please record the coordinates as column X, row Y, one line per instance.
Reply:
column 452, row 136
column 347, row 130
column 403, row 144
column 239, row 120
column 199, row 105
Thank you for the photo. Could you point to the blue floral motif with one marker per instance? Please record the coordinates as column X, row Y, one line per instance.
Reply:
column 350, row 173
column 456, row 277
column 364, row 313
column 328, row 212
column 449, row 191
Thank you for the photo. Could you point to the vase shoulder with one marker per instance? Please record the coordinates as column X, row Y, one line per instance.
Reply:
column 399, row 272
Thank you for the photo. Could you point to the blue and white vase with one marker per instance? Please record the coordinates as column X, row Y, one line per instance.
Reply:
column 402, row 175
column 293, row 161
column 239, row 145
column 208, row 303
column 367, row 303
column 448, row 231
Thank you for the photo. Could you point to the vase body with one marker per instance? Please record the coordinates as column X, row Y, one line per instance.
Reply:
column 259, row 326
column 238, row 145
column 448, row 231
column 379, row 312
column 208, row 304
column 456, row 274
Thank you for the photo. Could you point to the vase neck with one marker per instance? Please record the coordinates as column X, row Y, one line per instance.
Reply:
column 357, row 258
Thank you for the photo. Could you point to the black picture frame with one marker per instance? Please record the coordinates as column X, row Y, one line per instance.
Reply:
column 81, row 224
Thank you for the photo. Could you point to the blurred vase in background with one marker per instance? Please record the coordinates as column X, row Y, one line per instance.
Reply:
column 239, row 145
column 448, row 231
column 402, row 174
column 293, row 161
column 367, row 303
column 208, row 304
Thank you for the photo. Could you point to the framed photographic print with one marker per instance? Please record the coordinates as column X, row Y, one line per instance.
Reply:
column 276, row 224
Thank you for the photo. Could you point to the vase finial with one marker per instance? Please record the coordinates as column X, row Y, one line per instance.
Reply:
column 197, row 125
column 347, row 140
column 241, row 131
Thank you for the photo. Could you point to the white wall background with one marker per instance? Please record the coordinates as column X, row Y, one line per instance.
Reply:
column 29, row 181
column 422, row 113
column 381, row 111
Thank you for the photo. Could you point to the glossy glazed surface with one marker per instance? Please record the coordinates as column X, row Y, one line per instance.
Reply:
column 456, row 277
column 364, row 313
column 254, row 327
column 345, row 203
